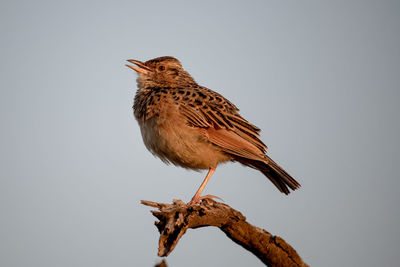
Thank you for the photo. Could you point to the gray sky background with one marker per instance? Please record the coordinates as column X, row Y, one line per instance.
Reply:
column 321, row 78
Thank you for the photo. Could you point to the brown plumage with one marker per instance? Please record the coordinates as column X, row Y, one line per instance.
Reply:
column 194, row 127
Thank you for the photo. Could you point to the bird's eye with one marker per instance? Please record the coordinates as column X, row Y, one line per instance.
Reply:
column 161, row 68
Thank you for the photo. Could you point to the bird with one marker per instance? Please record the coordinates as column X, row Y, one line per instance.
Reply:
column 193, row 127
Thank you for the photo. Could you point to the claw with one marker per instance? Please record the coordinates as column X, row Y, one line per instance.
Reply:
column 210, row 197
column 196, row 201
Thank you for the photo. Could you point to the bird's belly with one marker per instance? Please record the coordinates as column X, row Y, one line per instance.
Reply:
column 175, row 142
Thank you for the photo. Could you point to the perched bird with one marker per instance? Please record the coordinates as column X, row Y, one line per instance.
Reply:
column 191, row 126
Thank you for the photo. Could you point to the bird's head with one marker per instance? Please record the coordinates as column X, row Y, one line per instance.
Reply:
column 161, row 72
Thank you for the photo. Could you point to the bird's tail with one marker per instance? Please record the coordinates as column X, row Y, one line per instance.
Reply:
column 278, row 176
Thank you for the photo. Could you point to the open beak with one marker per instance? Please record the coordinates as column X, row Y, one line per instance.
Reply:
column 141, row 67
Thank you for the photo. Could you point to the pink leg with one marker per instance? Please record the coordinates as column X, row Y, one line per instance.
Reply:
column 196, row 198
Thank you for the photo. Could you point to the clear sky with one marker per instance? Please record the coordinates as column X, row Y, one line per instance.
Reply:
column 320, row 78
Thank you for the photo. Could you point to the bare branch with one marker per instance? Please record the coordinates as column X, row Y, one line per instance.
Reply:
column 176, row 218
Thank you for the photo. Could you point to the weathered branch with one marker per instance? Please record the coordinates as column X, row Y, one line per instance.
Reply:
column 177, row 217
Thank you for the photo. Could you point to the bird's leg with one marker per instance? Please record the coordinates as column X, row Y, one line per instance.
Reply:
column 196, row 198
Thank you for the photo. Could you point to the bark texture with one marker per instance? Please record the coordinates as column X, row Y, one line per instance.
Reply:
column 176, row 218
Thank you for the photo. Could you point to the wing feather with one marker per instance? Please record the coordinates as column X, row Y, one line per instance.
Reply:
column 208, row 109
column 232, row 143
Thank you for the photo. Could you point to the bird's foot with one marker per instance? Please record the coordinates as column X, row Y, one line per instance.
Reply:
column 196, row 200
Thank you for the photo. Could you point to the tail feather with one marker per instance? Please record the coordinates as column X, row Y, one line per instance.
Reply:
column 278, row 176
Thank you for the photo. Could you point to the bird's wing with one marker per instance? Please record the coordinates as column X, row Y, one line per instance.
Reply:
column 233, row 144
column 207, row 109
